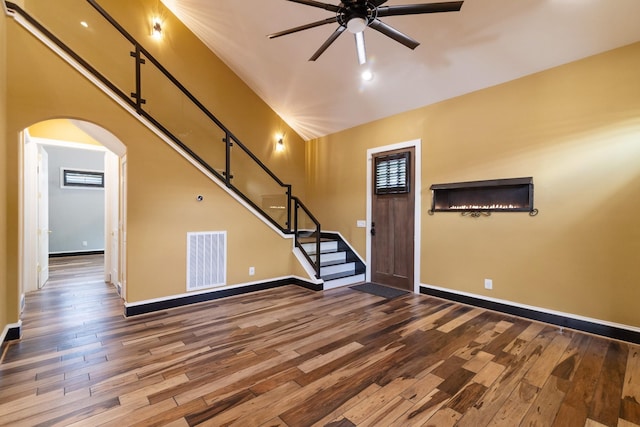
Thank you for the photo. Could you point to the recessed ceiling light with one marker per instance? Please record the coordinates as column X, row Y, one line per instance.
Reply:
column 367, row 75
column 84, row 24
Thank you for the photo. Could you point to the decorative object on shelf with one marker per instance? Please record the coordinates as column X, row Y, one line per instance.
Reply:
column 480, row 198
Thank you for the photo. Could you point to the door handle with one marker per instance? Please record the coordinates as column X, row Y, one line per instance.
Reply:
column 373, row 229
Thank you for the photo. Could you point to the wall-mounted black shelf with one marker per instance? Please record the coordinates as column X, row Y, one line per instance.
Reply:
column 476, row 198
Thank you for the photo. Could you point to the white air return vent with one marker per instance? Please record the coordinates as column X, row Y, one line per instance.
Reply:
column 206, row 259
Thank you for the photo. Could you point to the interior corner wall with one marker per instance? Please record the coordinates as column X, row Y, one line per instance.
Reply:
column 162, row 187
column 574, row 129
column 7, row 309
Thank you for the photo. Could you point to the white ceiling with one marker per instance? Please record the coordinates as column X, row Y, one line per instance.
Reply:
column 488, row 42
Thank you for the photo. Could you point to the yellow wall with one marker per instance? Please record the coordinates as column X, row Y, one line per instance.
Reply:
column 575, row 130
column 5, row 305
column 162, row 186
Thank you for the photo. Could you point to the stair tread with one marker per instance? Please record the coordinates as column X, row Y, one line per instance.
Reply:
column 343, row 266
column 309, row 240
column 339, row 275
column 333, row 262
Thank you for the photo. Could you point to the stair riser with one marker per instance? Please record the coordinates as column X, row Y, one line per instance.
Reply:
column 331, row 258
column 339, row 268
column 345, row 281
column 310, row 248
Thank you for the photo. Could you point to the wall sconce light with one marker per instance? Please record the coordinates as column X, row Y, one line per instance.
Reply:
column 279, row 143
column 156, row 29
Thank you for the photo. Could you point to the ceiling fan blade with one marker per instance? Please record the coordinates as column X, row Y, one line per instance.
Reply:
column 304, row 27
column 325, row 6
column 389, row 31
column 377, row 3
column 327, row 43
column 414, row 9
column 360, row 48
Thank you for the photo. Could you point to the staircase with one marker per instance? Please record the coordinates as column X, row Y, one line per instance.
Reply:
column 339, row 264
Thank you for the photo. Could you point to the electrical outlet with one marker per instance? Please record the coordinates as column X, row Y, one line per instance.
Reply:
column 84, row 243
column 252, row 271
column 488, row 284
column 361, row 223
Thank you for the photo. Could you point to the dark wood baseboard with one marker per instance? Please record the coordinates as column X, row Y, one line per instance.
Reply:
column 62, row 254
column 554, row 319
column 209, row 296
column 13, row 334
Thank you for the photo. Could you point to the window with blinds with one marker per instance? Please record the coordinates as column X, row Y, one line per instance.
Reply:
column 392, row 173
column 73, row 178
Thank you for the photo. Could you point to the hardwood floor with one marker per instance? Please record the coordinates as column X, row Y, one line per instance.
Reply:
column 294, row 357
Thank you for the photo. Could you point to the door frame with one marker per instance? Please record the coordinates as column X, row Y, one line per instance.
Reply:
column 109, row 143
column 42, row 202
column 417, row 188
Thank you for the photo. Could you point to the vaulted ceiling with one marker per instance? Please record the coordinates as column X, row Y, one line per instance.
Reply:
column 487, row 43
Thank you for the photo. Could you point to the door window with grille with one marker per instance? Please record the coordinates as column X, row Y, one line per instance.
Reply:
column 392, row 174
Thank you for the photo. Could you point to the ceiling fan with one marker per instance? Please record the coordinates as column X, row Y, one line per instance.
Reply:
column 356, row 15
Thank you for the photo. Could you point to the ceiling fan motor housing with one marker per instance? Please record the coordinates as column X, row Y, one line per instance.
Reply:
column 356, row 16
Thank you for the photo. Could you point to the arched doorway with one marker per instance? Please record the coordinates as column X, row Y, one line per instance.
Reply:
column 75, row 141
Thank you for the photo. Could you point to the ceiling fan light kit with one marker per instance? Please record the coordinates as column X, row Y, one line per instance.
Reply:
column 356, row 15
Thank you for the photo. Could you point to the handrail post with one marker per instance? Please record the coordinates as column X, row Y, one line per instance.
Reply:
column 318, row 250
column 137, row 95
column 295, row 219
column 289, row 207
column 227, row 164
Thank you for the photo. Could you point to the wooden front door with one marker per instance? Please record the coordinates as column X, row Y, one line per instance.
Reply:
column 392, row 218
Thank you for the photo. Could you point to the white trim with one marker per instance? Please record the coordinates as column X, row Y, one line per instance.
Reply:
column 417, row 188
column 209, row 291
column 535, row 308
column 307, row 267
column 142, row 120
column 29, row 214
column 5, row 331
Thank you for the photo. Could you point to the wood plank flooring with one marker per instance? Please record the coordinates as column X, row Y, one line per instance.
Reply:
column 294, row 357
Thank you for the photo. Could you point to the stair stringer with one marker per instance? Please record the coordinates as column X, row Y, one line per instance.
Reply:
column 347, row 243
column 308, row 268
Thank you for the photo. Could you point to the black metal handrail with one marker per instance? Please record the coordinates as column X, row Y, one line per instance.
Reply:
column 137, row 101
column 316, row 233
